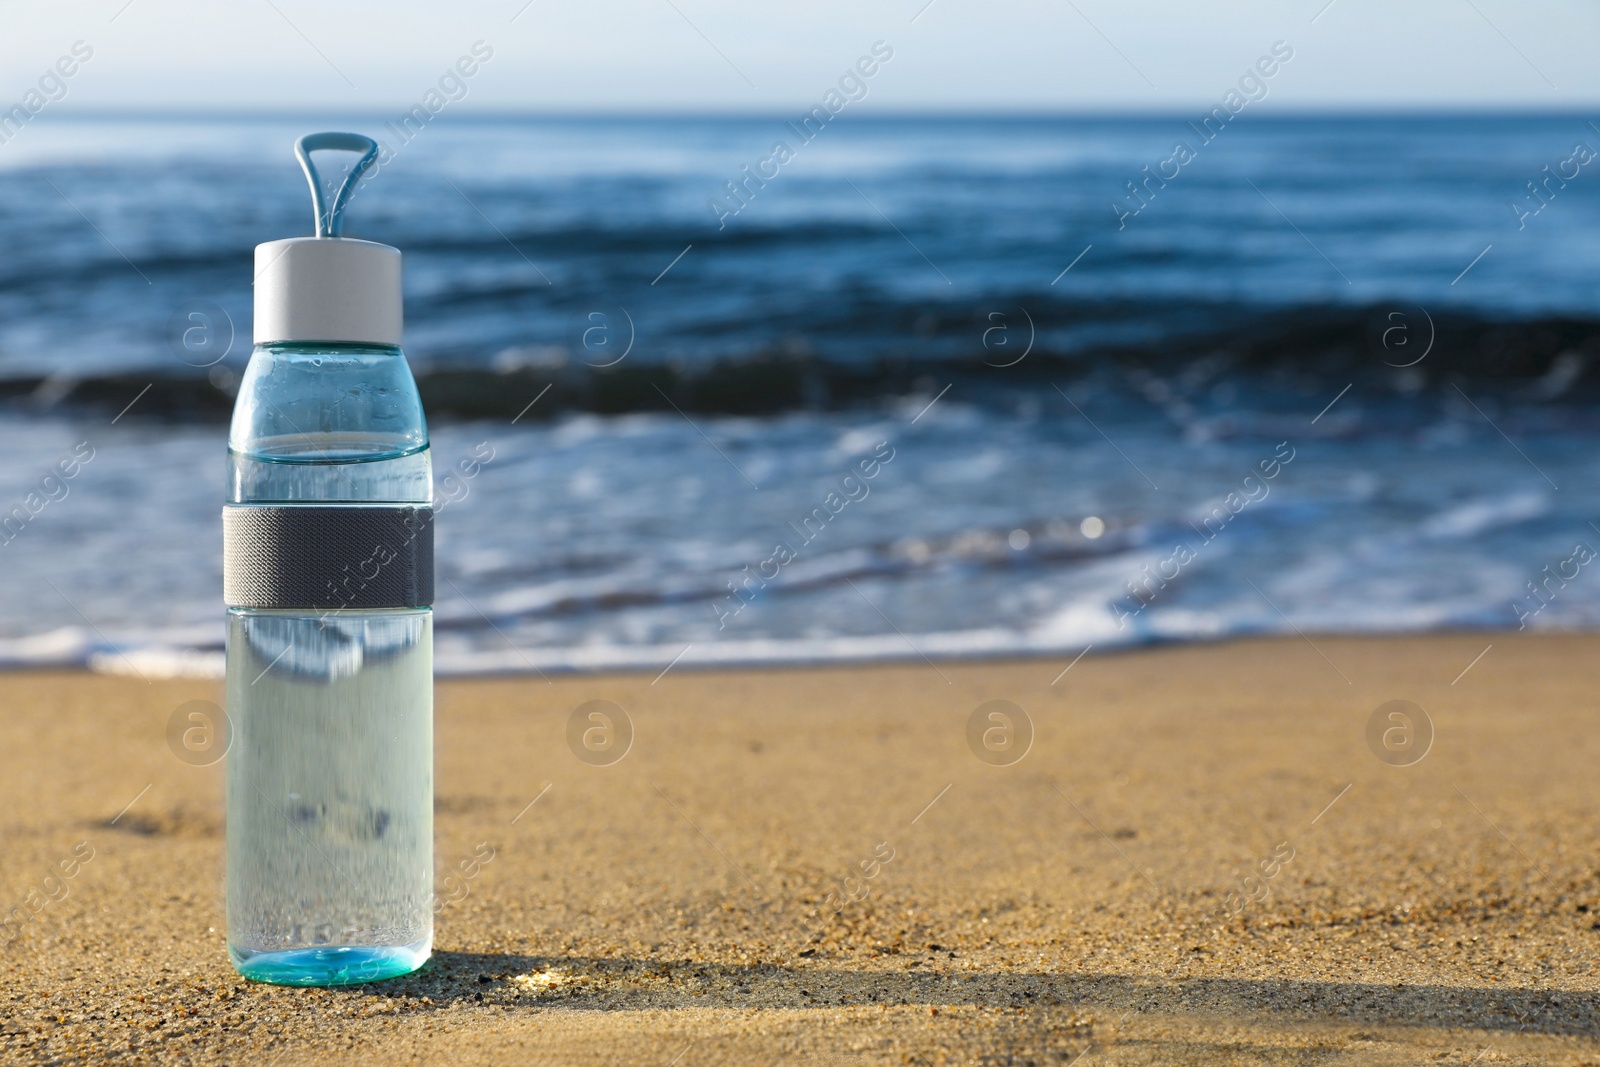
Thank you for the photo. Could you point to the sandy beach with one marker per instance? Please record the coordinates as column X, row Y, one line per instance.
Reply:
column 1198, row 859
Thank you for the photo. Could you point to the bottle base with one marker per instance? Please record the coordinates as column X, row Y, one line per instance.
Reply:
column 330, row 965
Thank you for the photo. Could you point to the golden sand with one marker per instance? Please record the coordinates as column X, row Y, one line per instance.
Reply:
column 1200, row 859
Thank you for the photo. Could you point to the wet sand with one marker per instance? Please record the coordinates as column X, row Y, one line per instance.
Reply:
column 1200, row 859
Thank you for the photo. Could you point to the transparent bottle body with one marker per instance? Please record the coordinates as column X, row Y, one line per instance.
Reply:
column 330, row 771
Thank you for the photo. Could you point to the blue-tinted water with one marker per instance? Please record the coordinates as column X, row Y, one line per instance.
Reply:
column 890, row 259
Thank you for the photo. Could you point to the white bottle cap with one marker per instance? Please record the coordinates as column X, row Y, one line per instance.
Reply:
column 328, row 289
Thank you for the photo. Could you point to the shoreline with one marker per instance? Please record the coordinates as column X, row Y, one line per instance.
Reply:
column 206, row 665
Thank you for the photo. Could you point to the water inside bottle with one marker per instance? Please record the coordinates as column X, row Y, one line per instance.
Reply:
column 330, row 774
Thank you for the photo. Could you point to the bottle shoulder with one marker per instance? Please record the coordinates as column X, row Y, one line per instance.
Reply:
column 327, row 403
column 328, row 423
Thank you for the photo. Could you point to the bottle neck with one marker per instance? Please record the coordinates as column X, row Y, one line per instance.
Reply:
column 317, row 348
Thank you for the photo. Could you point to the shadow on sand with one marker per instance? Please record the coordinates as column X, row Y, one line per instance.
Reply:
column 517, row 981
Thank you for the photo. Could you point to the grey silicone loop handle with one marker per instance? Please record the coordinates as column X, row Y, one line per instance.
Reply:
column 326, row 557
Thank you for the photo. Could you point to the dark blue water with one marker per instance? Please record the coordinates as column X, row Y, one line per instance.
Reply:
column 701, row 380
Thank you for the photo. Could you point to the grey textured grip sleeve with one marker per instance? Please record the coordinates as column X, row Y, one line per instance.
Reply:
column 327, row 556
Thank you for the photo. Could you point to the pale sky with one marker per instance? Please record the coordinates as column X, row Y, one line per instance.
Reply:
column 340, row 56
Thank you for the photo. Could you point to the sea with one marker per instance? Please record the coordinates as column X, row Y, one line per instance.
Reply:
column 930, row 388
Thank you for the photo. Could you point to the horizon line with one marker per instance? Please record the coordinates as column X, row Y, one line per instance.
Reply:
column 1016, row 112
